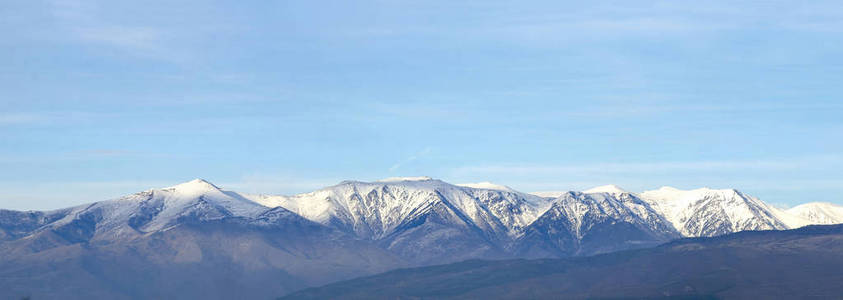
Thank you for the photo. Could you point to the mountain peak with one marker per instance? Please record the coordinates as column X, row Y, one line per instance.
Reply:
column 818, row 204
column 610, row 188
column 667, row 192
column 548, row 194
column 399, row 179
column 195, row 186
column 668, row 188
column 819, row 212
column 487, row 186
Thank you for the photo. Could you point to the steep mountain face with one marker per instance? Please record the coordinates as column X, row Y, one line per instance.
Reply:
column 177, row 242
column 596, row 222
column 136, row 215
column 708, row 212
column 430, row 221
column 819, row 212
column 805, row 263
column 422, row 219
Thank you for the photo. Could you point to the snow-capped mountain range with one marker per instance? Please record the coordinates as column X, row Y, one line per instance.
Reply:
column 356, row 228
column 384, row 209
column 691, row 213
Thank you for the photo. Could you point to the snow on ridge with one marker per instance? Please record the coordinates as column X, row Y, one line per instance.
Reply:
column 485, row 185
column 610, row 188
column 549, row 194
column 195, row 186
column 708, row 212
column 815, row 204
column 396, row 198
column 790, row 219
column 819, row 212
column 382, row 204
column 666, row 191
column 160, row 209
column 373, row 209
column 399, row 179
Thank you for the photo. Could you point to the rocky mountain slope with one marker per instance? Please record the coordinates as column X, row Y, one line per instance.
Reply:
column 709, row 212
column 192, row 240
column 597, row 222
column 422, row 219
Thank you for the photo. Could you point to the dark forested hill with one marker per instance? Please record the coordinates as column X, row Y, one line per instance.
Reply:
column 805, row 263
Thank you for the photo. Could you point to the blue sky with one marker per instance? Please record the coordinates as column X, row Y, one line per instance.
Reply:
column 105, row 98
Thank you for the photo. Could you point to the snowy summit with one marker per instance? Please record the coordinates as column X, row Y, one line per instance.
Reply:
column 610, row 189
column 399, row 179
column 485, row 185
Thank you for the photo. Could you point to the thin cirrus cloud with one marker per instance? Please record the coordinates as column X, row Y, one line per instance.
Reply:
column 21, row 118
column 422, row 153
column 49, row 117
column 85, row 22
column 614, row 21
column 142, row 39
